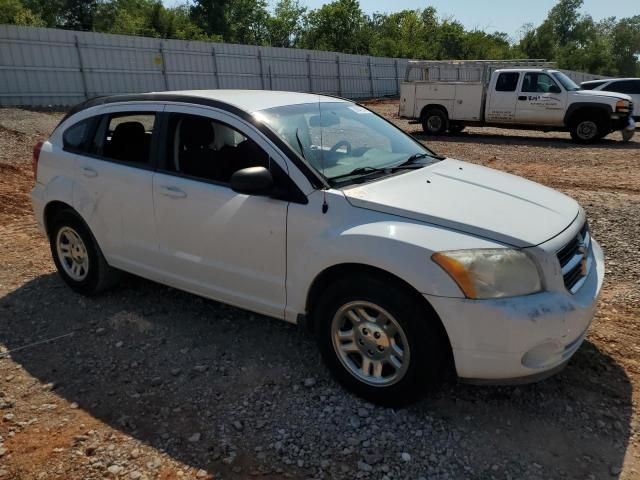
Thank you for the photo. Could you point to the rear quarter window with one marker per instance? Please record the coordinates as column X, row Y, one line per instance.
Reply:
column 631, row 87
column 75, row 138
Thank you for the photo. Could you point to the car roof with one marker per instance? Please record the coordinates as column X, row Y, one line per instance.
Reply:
column 248, row 100
column 515, row 69
column 611, row 79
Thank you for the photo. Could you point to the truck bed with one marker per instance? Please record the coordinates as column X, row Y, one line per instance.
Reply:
column 463, row 100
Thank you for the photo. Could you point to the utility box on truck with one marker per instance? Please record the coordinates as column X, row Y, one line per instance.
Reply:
column 449, row 95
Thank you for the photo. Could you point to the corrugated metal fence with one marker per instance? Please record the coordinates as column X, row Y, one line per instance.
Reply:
column 43, row 66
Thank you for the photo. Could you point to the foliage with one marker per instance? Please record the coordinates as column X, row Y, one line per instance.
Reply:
column 567, row 35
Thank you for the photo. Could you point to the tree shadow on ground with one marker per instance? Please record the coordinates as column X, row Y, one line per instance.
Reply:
column 573, row 425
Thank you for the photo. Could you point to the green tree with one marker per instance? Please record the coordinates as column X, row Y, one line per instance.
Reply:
column 210, row 16
column 246, row 21
column 286, row 25
column 13, row 12
column 339, row 26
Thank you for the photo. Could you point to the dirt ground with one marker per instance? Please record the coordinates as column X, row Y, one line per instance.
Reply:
column 146, row 382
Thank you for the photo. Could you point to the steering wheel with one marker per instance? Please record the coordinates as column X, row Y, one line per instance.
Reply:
column 341, row 143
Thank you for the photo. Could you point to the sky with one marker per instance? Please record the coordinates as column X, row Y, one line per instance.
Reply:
column 490, row 15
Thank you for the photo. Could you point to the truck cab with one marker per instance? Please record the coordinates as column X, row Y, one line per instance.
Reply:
column 530, row 96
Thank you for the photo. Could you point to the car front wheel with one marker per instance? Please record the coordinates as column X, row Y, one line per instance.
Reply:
column 379, row 341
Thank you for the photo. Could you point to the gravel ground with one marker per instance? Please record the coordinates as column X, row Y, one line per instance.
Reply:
column 150, row 382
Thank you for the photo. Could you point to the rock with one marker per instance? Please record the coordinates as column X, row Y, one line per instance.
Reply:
column 201, row 474
column 309, row 382
column 155, row 463
column 74, row 406
column 135, row 475
column 3, row 451
column 9, row 417
column 115, row 470
column 363, row 412
column 201, row 368
column 119, row 344
column 47, row 387
column 238, row 425
column 405, row 457
column 176, row 371
column 195, row 438
column 135, row 453
column 615, row 470
column 364, row 467
column 156, row 381
column 101, row 331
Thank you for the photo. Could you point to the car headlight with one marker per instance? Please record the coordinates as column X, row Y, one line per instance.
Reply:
column 491, row 273
column 622, row 106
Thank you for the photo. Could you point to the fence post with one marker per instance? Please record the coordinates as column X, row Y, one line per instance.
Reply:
column 339, row 76
column 261, row 68
column 270, row 79
column 164, row 67
column 215, row 67
column 397, row 78
column 309, row 72
column 371, row 78
column 82, row 72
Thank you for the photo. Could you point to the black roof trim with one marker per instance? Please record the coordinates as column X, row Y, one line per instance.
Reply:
column 315, row 180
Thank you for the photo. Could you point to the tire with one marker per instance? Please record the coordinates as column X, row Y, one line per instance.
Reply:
column 435, row 122
column 77, row 255
column 456, row 128
column 419, row 358
column 588, row 129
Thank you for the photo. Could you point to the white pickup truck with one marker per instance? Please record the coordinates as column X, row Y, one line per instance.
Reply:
column 447, row 96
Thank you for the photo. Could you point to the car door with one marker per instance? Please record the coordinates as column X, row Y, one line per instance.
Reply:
column 114, row 184
column 212, row 240
column 501, row 106
column 538, row 103
column 631, row 88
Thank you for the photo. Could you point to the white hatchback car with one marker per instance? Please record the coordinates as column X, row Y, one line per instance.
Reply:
column 315, row 210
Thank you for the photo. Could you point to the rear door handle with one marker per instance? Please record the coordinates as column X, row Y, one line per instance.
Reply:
column 88, row 172
column 173, row 192
column 522, row 97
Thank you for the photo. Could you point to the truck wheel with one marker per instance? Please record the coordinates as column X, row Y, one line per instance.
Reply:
column 77, row 255
column 587, row 129
column 378, row 340
column 434, row 122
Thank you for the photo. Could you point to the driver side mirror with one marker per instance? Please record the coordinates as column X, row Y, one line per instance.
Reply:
column 554, row 89
column 252, row 181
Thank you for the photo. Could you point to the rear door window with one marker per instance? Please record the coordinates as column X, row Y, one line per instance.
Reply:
column 125, row 137
column 631, row 87
column 507, row 82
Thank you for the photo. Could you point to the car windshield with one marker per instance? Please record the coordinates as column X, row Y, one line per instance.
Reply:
column 337, row 138
column 566, row 82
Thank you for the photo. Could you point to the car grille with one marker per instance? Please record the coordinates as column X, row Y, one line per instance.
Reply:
column 575, row 259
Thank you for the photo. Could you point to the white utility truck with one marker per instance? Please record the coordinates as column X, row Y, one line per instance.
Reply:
column 531, row 94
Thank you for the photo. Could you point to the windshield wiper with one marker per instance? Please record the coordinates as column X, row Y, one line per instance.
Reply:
column 417, row 156
column 371, row 170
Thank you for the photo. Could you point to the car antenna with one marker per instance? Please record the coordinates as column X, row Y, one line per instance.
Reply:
column 325, row 205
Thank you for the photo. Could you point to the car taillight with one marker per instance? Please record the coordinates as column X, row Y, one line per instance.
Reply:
column 34, row 160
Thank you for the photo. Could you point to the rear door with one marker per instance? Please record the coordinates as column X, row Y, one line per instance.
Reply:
column 214, row 241
column 537, row 103
column 501, row 104
column 114, row 187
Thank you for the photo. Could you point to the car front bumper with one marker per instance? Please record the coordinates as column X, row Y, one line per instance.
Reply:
column 519, row 339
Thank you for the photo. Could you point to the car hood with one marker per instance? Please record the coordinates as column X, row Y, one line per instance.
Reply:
column 600, row 93
column 472, row 199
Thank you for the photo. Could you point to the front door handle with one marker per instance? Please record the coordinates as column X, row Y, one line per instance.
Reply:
column 173, row 192
column 88, row 172
column 522, row 97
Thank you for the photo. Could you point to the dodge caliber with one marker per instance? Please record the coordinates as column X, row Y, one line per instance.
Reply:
column 405, row 265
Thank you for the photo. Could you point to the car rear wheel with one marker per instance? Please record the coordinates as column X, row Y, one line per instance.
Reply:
column 77, row 255
column 379, row 341
column 434, row 122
